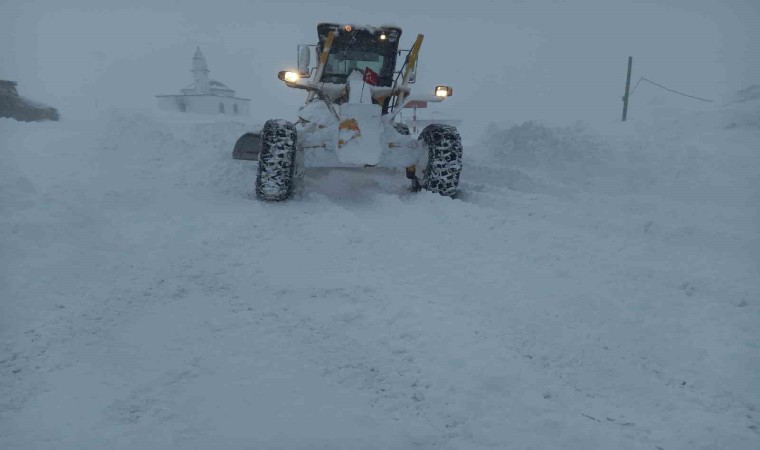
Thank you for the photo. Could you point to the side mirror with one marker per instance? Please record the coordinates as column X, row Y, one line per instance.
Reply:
column 304, row 57
column 413, row 75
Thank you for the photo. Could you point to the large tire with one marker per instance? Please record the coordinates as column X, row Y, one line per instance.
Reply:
column 444, row 163
column 277, row 161
column 402, row 128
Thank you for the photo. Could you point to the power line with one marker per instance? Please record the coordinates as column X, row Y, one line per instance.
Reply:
column 637, row 85
column 667, row 89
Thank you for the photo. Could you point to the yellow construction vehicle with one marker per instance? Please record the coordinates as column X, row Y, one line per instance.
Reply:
column 354, row 96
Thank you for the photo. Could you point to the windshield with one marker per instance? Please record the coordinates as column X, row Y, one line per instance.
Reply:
column 341, row 63
column 359, row 48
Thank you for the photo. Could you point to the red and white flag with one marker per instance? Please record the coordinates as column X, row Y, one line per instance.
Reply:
column 370, row 76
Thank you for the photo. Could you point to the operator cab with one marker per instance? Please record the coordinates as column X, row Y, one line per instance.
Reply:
column 358, row 48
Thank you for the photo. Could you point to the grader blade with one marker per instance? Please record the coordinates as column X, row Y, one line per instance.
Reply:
column 247, row 147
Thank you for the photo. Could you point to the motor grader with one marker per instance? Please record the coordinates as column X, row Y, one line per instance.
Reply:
column 354, row 96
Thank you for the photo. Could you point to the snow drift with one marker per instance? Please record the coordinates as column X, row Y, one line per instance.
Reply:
column 591, row 288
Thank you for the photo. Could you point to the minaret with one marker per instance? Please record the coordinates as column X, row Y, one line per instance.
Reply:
column 200, row 73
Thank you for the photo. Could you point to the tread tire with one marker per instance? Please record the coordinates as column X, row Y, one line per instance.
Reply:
column 402, row 128
column 277, row 161
column 444, row 163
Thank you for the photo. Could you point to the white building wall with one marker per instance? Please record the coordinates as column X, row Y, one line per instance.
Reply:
column 205, row 104
column 244, row 107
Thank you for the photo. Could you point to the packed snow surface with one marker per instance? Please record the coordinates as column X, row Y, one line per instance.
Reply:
column 590, row 288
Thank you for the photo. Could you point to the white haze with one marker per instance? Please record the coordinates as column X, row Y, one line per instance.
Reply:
column 558, row 61
column 593, row 286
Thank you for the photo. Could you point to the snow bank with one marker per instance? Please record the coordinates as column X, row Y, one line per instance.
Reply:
column 682, row 156
column 561, row 302
column 186, row 152
column 748, row 93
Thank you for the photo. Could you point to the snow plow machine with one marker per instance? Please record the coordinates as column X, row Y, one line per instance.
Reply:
column 353, row 98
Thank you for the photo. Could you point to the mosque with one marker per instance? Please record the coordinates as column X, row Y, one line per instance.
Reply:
column 204, row 95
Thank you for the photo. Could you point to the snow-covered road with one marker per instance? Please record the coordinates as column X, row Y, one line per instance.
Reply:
column 588, row 289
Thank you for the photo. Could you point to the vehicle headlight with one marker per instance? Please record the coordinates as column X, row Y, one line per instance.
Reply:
column 288, row 76
column 443, row 91
column 291, row 77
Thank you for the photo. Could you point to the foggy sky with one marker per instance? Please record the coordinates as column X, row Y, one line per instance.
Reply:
column 557, row 61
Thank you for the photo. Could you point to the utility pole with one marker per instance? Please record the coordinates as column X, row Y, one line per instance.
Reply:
column 627, row 87
column 414, row 118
